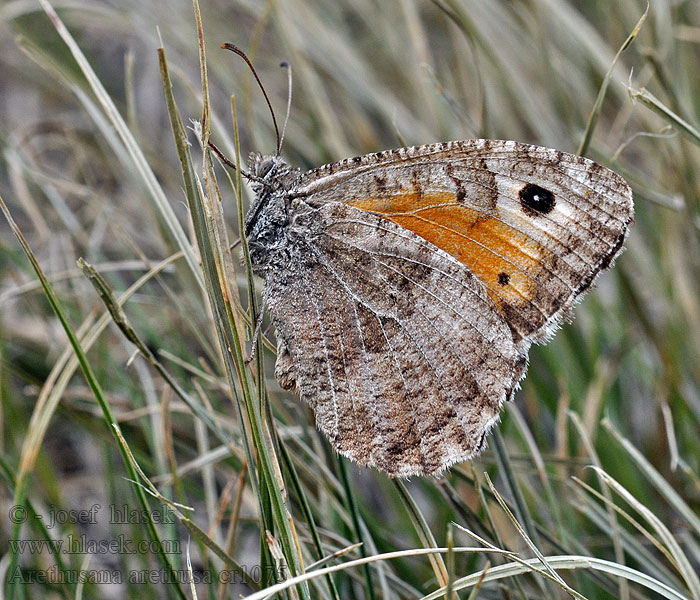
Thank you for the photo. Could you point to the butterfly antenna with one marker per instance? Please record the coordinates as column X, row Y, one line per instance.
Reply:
column 286, row 65
column 230, row 163
column 237, row 50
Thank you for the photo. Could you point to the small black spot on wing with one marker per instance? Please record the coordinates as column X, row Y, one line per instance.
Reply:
column 536, row 200
column 416, row 183
column 503, row 278
column 380, row 182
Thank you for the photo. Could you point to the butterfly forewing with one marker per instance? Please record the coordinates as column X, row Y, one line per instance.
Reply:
column 534, row 225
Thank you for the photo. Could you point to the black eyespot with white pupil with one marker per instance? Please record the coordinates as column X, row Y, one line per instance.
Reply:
column 536, row 200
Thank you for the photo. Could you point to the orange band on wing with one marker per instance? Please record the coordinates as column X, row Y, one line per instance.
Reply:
column 500, row 256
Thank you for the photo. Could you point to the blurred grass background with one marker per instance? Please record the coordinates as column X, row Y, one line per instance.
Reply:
column 618, row 388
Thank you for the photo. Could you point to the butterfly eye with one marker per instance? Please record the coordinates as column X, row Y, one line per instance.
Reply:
column 265, row 167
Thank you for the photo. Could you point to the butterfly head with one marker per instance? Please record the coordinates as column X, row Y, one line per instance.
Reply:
column 264, row 166
column 269, row 172
column 267, row 218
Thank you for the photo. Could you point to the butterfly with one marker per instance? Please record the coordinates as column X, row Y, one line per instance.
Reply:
column 407, row 286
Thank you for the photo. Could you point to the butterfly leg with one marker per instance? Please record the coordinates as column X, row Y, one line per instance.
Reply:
column 256, row 332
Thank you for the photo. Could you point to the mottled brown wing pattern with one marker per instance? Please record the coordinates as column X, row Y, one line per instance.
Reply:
column 409, row 285
column 534, row 225
column 393, row 343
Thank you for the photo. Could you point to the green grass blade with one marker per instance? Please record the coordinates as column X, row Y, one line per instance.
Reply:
column 597, row 107
column 25, row 468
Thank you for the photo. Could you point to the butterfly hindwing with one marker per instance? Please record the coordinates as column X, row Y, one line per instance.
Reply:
column 388, row 339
